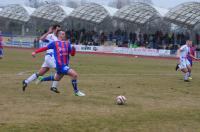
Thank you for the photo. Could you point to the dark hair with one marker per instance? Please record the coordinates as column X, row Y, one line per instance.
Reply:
column 55, row 26
column 58, row 32
column 45, row 31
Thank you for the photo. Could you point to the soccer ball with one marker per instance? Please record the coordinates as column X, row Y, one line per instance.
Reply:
column 121, row 100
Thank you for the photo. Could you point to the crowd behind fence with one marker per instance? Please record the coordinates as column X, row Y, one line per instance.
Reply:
column 119, row 38
column 157, row 40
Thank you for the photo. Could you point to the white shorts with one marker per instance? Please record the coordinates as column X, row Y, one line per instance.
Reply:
column 49, row 61
column 184, row 62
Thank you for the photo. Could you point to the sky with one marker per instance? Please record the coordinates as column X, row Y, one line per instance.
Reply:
column 160, row 3
column 170, row 3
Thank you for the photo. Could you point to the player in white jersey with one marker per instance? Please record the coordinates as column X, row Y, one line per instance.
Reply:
column 49, row 61
column 184, row 64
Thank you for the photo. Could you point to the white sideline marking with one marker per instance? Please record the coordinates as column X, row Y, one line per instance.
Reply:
column 26, row 73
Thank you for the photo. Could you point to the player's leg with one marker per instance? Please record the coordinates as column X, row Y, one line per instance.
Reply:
column 190, row 69
column 184, row 69
column 46, row 64
column 56, row 77
column 1, row 53
column 52, row 64
column 34, row 76
column 177, row 67
column 74, row 76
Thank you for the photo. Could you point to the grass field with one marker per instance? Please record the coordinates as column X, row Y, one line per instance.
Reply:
column 157, row 98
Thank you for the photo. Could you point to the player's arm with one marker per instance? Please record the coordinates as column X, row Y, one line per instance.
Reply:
column 72, row 50
column 178, row 53
column 193, row 56
column 39, row 50
column 43, row 37
column 50, row 46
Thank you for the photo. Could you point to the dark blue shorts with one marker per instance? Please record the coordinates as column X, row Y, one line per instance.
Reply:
column 191, row 62
column 1, row 52
column 63, row 70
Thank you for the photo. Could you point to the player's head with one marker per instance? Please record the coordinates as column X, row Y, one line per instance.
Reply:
column 189, row 42
column 61, row 35
column 56, row 27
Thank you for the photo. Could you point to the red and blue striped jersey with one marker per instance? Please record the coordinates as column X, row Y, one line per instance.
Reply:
column 1, row 41
column 192, row 52
column 62, row 51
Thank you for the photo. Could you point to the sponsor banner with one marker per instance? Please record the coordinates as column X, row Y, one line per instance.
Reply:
column 136, row 51
column 145, row 52
column 85, row 48
column 117, row 50
column 106, row 49
column 164, row 52
column 17, row 42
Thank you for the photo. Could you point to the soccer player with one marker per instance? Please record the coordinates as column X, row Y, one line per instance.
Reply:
column 184, row 64
column 1, row 46
column 190, row 59
column 49, row 61
column 62, row 52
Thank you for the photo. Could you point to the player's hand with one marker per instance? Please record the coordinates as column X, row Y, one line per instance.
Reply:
column 73, row 52
column 33, row 54
column 50, row 29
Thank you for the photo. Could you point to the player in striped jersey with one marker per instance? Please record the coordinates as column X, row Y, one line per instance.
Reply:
column 49, row 61
column 1, row 46
column 62, row 52
column 190, row 59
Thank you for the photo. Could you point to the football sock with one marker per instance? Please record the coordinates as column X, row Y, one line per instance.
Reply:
column 49, row 78
column 31, row 78
column 190, row 74
column 74, row 84
column 55, row 84
column 186, row 76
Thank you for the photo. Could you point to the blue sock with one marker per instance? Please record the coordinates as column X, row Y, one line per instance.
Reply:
column 74, row 84
column 49, row 78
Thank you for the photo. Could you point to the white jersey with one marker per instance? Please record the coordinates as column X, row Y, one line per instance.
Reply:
column 51, row 37
column 49, row 57
column 184, row 51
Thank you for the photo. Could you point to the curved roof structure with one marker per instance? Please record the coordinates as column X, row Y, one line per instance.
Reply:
column 110, row 10
column 185, row 14
column 138, row 13
column 17, row 12
column 51, row 12
column 162, row 11
column 90, row 12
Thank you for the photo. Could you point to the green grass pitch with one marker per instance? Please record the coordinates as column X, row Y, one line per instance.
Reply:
column 157, row 98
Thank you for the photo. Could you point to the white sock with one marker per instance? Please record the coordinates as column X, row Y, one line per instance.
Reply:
column 186, row 76
column 31, row 78
column 55, row 84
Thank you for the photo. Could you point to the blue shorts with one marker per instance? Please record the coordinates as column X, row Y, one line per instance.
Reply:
column 1, row 52
column 191, row 62
column 63, row 70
